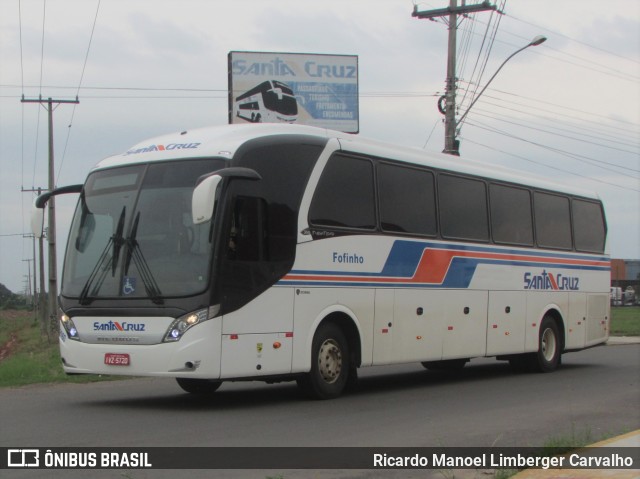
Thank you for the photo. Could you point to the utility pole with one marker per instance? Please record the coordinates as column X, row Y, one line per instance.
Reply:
column 51, row 232
column 28, row 288
column 36, row 300
column 40, row 303
column 451, row 145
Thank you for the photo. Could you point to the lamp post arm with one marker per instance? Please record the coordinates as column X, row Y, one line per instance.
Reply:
column 533, row 43
column 490, row 80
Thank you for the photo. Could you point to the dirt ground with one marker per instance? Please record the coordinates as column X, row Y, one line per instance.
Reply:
column 11, row 316
column 9, row 347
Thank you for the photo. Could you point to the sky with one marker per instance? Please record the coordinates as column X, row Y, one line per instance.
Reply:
column 568, row 109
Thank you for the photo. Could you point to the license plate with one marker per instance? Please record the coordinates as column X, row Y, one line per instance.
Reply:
column 116, row 359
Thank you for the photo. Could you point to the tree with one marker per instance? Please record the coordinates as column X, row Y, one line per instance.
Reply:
column 9, row 300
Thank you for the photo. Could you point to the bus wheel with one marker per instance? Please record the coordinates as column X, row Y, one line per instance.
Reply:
column 329, row 364
column 548, row 357
column 199, row 386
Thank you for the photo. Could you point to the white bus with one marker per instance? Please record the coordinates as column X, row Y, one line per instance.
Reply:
column 270, row 101
column 285, row 252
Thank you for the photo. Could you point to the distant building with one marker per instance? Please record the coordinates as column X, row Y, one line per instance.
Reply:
column 625, row 272
column 633, row 269
column 618, row 270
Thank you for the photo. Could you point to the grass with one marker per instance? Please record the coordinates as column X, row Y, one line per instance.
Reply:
column 575, row 440
column 562, row 445
column 33, row 359
column 625, row 321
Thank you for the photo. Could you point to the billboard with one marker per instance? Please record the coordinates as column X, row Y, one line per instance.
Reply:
column 310, row 89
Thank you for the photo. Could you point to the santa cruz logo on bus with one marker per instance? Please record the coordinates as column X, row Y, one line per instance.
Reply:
column 170, row 146
column 546, row 280
column 117, row 326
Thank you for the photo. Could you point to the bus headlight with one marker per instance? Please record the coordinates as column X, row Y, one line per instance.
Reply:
column 69, row 327
column 184, row 323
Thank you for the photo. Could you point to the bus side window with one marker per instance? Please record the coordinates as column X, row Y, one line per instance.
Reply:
column 345, row 195
column 407, row 200
column 247, row 238
column 552, row 220
column 511, row 217
column 463, row 208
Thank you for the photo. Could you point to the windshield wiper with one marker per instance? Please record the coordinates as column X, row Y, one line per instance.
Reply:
column 134, row 251
column 105, row 262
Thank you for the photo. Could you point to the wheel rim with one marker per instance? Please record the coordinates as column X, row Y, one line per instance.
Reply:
column 548, row 345
column 330, row 361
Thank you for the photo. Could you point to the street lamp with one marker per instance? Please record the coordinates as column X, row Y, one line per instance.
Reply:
column 533, row 43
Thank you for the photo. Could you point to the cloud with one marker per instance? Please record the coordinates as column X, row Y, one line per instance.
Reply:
column 573, row 88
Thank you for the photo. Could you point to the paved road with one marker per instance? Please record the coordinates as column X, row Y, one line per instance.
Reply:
column 596, row 392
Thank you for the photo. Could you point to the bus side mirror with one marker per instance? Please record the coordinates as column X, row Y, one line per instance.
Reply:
column 37, row 212
column 37, row 220
column 204, row 199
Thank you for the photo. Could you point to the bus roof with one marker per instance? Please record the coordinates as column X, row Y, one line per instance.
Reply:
column 223, row 141
column 215, row 141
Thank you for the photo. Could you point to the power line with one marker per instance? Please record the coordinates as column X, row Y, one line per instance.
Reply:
column 35, row 158
column 560, row 135
column 577, row 110
column 539, row 163
column 86, row 57
column 44, row 17
column 596, row 133
column 555, row 150
column 576, row 40
column 198, row 90
column 21, row 105
column 477, row 80
column 21, row 52
column 73, row 111
column 572, row 57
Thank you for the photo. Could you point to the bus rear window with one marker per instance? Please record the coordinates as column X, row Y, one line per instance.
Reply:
column 589, row 228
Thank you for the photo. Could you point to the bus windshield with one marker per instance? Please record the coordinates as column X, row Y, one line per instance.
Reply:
column 132, row 234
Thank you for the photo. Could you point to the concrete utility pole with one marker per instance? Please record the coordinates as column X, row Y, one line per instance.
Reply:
column 40, row 303
column 451, row 145
column 33, row 258
column 51, row 232
column 28, row 275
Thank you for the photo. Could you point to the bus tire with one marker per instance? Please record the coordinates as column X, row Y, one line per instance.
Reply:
column 198, row 386
column 548, row 357
column 330, row 364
